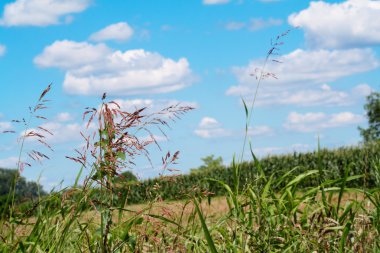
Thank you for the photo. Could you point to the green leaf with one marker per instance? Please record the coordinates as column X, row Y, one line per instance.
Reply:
column 209, row 239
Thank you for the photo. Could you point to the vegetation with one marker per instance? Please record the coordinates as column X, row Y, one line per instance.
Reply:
column 25, row 191
column 372, row 107
column 334, row 164
column 210, row 163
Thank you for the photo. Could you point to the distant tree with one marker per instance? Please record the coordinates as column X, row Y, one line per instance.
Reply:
column 372, row 108
column 127, row 176
column 209, row 163
column 24, row 190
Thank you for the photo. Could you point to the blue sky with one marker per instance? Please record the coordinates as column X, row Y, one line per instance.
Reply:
column 198, row 53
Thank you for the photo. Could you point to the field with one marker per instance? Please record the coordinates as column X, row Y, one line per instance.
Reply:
column 321, row 201
column 329, row 217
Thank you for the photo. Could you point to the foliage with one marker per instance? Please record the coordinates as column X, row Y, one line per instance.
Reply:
column 372, row 108
column 209, row 163
column 126, row 177
column 25, row 191
column 333, row 164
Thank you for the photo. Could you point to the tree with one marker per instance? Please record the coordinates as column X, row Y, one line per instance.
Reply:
column 372, row 107
column 209, row 163
column 24, row 189
column 127, row 176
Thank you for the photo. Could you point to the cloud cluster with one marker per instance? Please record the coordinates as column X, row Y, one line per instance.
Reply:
column 306, row 68
column 300, row 72
column 338, row 48
column 119, row 32
column 317, row 121
column 347, row 24
column 323, row 95
column 92, row 69
column 41, row 12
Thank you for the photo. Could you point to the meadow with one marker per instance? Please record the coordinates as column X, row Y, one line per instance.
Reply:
column 323, row 201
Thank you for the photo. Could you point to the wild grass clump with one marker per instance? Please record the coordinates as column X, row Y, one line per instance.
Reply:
column 265, row 211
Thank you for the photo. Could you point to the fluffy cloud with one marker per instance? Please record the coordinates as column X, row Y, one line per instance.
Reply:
column 94, row 69
column 210, row 2
column 40, row 12
column 2, row 50
column 208, row 123
column 210, row 128
column 118, row 32
column 317, row 121
column 347, row 24
column 321, row 96
column 299, row 74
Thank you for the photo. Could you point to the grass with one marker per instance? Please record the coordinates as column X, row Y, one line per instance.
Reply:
column 266, row 214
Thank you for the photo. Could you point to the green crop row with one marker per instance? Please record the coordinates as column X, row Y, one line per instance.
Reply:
column 359, row 160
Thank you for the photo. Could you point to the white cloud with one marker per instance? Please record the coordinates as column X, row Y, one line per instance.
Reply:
column 211, row 2
column 4, row 126
column 40, row 12
column 68, row 55
column 350, row 23
column 9, row 163
column 208, row 122
column 302, row 70
column 2, row 50
column 94, row 69
column 210, row 128
column 254, row 24
column 64, row 117
column 119, row 32
column 317, row 121
column 320, row 96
